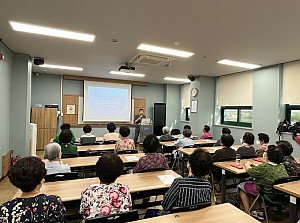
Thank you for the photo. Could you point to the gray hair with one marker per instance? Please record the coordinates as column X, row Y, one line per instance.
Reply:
column 166, row 130
column 52, row 151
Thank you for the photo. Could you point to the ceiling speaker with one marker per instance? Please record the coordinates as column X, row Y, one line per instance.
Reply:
column 191, row 77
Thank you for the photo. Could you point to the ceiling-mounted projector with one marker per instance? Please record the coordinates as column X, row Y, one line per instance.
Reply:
column 126, row 67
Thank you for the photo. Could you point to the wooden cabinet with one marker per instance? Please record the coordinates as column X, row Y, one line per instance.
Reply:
column 46, row 120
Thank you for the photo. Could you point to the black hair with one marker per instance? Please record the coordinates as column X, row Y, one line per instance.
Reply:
column 201, row 162
column 227, row 140
column 263, row 137
column 275, row 154
column 109, row 167
column 27, row 173
column 65, row 126
column 286, row 147
column 87, row 129
column 141, row 109
column 65, row 136
column 206, row 128
column 226, row 130
column 151, row 144
column 187, row 133
column 124, row 131
column 111, row 127
column 187, row 127
column 248, row 138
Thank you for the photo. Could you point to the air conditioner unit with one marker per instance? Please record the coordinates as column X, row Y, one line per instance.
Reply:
column 151, row 59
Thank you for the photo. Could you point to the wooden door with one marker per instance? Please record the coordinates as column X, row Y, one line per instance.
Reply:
column 40, row 139
column 48, row 135
column 38, row 117
column 50, row 118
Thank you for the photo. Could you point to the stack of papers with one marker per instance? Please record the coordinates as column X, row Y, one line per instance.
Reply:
column 167, row 179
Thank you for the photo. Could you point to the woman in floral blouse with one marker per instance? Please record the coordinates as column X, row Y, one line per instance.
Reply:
column 28, row 174
column 107, row 197
column 124, row 143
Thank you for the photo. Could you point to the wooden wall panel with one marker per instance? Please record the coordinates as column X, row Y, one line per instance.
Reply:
column 38, row 117
column 138, row 104
column 50, row 118
column 6, row 162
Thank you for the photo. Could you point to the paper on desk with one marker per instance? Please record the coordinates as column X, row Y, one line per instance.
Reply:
column 167, row 179
column 132, row 158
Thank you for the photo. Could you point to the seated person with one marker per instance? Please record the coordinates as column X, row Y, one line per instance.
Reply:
column 194, row 189
column 206, row 133
column 264, row 176
column 182, row 136
column 224, row 131
column 226, row 153
column 67, row 148
column 111, row 135
column 28, row 174
column 247, row 149
column 296, row 138
column 62, row 128
column 87, row 129
column 166, row 135
column 152, row 159
column 87, row 138
column 124, row 143
column 263, row 140
column 52, row 152
column 107, row 197
column 290, row 164
column 186, row 141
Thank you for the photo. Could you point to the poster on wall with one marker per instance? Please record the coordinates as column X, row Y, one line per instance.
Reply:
column 70, row 109
column 194, row 106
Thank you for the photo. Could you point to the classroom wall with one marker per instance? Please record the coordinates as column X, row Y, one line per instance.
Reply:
column 172, row 93
column 5, row 79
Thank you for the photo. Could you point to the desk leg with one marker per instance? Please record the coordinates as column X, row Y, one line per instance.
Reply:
column 293, row 209
column 223, row 189
column 182, row 165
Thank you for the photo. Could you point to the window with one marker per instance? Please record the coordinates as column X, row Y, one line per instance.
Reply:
column 292, row 113
column 187, row 114
column 236, row 115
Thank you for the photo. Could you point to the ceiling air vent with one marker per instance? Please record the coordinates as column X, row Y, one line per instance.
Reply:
column 152, row 59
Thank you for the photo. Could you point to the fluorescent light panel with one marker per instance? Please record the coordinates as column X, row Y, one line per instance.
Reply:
column 127, row 73
column 176, row 79
column 162, row 50
column 61, row 67
column 47, row 31
column 238, row 64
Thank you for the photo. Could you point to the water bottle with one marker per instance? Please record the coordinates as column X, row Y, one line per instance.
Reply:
column 238, row 159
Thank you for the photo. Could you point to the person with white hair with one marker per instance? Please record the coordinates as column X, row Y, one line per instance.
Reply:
column 53, row 153
column 166, row 135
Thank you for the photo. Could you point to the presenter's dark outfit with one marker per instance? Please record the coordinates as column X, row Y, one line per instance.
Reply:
column 137, row 127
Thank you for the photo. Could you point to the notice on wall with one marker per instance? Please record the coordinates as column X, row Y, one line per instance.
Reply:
column 70, row 109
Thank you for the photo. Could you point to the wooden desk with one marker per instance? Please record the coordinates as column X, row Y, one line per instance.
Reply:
column 225, row 213
column 293, row 189
column 106, row 147
column 196, row 142
column 210, row 149
column 98, row 139
column 70, row 190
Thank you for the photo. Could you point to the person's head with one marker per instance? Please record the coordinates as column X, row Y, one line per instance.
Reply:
column 206, row 128
column 151, row 144
column 166, row 130
column 275, row 154
column 248, row 138
column 65, row 126
column 263, row 138
column 109, row 167
column 227, row 140
column 225, row 131
column 66, row 136
column 27, row 173
column 124, row 131
column 52, row 151
column 187, row 127
column 111, row 127
column 286, row 147
column 200, row 162
column 187, row 133
column 87, row 129
column 141, row 111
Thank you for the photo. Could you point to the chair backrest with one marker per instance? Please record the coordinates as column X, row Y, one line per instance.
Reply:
column 61, row 177
column 69, row 155
column 248, row 157
column 175, row 132
column 152, row 170
column 110, row 142
column 87, row 140
column 190, row 207
column 128, row 151
column 94, row 153
column 116, row 218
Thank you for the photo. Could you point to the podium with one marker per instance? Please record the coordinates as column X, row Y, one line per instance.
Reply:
column 145, row 130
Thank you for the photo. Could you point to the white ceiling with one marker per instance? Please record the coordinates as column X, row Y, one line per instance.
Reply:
column 263, row 32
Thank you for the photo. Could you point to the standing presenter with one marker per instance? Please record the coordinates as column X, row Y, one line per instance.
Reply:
column 137, row 120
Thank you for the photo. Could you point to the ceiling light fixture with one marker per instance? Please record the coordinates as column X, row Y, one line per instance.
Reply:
column 127, row 73
column 47, row 31
column 162, row 50
column 177, row 79
column 238, row 64
column 61, row 67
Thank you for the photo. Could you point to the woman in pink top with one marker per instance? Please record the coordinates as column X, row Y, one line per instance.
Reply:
column 206, row 133
column 124, row 143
